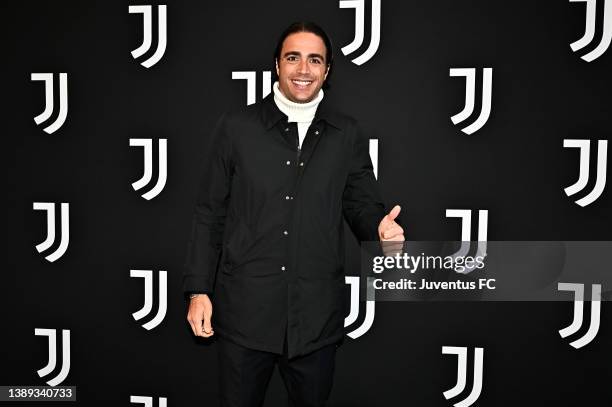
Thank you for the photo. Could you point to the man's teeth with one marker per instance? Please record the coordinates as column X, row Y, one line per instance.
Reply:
column 302, row 83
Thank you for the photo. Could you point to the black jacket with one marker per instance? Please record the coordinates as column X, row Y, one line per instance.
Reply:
column 267, row 237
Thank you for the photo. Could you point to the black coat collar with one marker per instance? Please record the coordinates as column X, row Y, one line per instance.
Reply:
column 271, row 114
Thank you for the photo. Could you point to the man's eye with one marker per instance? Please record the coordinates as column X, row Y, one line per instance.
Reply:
column 291, row 58
column 315, row 60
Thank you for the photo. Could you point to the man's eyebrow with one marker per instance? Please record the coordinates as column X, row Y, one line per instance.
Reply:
column 296, row 53
column 316, row 56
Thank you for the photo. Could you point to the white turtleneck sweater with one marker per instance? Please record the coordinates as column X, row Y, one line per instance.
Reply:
column 302, row 113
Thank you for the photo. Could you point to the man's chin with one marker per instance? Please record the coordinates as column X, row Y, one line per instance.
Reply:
column 302, row 98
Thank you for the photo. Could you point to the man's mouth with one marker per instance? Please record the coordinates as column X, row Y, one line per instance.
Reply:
column 301, row 84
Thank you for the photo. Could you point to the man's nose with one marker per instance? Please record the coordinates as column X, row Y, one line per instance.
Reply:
column 303, row 67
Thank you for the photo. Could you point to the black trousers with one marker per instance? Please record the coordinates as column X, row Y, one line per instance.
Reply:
column 244, row 375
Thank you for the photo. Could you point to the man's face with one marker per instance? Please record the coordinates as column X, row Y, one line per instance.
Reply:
column 302, row 68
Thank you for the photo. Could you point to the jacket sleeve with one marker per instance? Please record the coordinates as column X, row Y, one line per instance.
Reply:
column 206, row 241
column 362, row 204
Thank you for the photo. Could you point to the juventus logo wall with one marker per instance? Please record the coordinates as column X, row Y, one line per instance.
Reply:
column 148, row 401
column 466, row 232
column 147, row 17
column 251, row 78
column 576, row 324
column 49, row 207
column 147, row 144
column 148, row 297
column 470, row 96
column 52, row 361
column 46, row 70
column 589, row 31
column 49, row 100
column 359, row 6
column 583, row 174
column 462, row 366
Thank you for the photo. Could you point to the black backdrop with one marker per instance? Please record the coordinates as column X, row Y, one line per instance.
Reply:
column 515, row 166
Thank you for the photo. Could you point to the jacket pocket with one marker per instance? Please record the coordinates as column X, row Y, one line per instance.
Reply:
column 236, row 247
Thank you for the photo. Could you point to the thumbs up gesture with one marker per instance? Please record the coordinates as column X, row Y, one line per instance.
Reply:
column 390, row 233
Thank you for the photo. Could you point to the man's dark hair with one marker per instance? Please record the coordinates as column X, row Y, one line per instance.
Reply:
column 310, row 27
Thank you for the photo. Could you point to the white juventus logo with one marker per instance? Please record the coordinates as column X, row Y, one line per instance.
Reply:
column 251, row 78
column 578, row 290
column 353, row 282
column 51, row 333
column 374, row 155
column 589, row 31
column 147, row 401
column 147, row 143
column 63, row 100
column 470, row 91
column 583, row 175
column 461, row 352
column 359, row 7
column 148, row 297
column 64, row 230
column 148, row 34
column 466, row 232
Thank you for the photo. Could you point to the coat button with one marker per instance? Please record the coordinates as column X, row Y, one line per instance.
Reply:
column 286, row 128
column 302, row 164
column 288, row 162
column 316, row 131
column 288, row 197
column 283, row 268
column 285, row 232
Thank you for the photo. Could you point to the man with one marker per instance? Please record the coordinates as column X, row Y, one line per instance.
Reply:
column 281, row 175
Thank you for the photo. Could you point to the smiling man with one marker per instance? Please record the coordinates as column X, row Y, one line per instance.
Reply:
column 267, row 243
column 301, row 67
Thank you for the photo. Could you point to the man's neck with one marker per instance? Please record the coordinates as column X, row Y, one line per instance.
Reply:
column 296, row 112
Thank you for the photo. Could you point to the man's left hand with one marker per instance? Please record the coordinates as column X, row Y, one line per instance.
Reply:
column 390, row 231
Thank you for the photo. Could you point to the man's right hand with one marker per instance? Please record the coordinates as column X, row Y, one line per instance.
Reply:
column 200, row 309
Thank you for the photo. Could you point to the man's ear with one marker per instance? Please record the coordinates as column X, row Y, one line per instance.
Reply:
column 326, row 72
column 276, row 62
